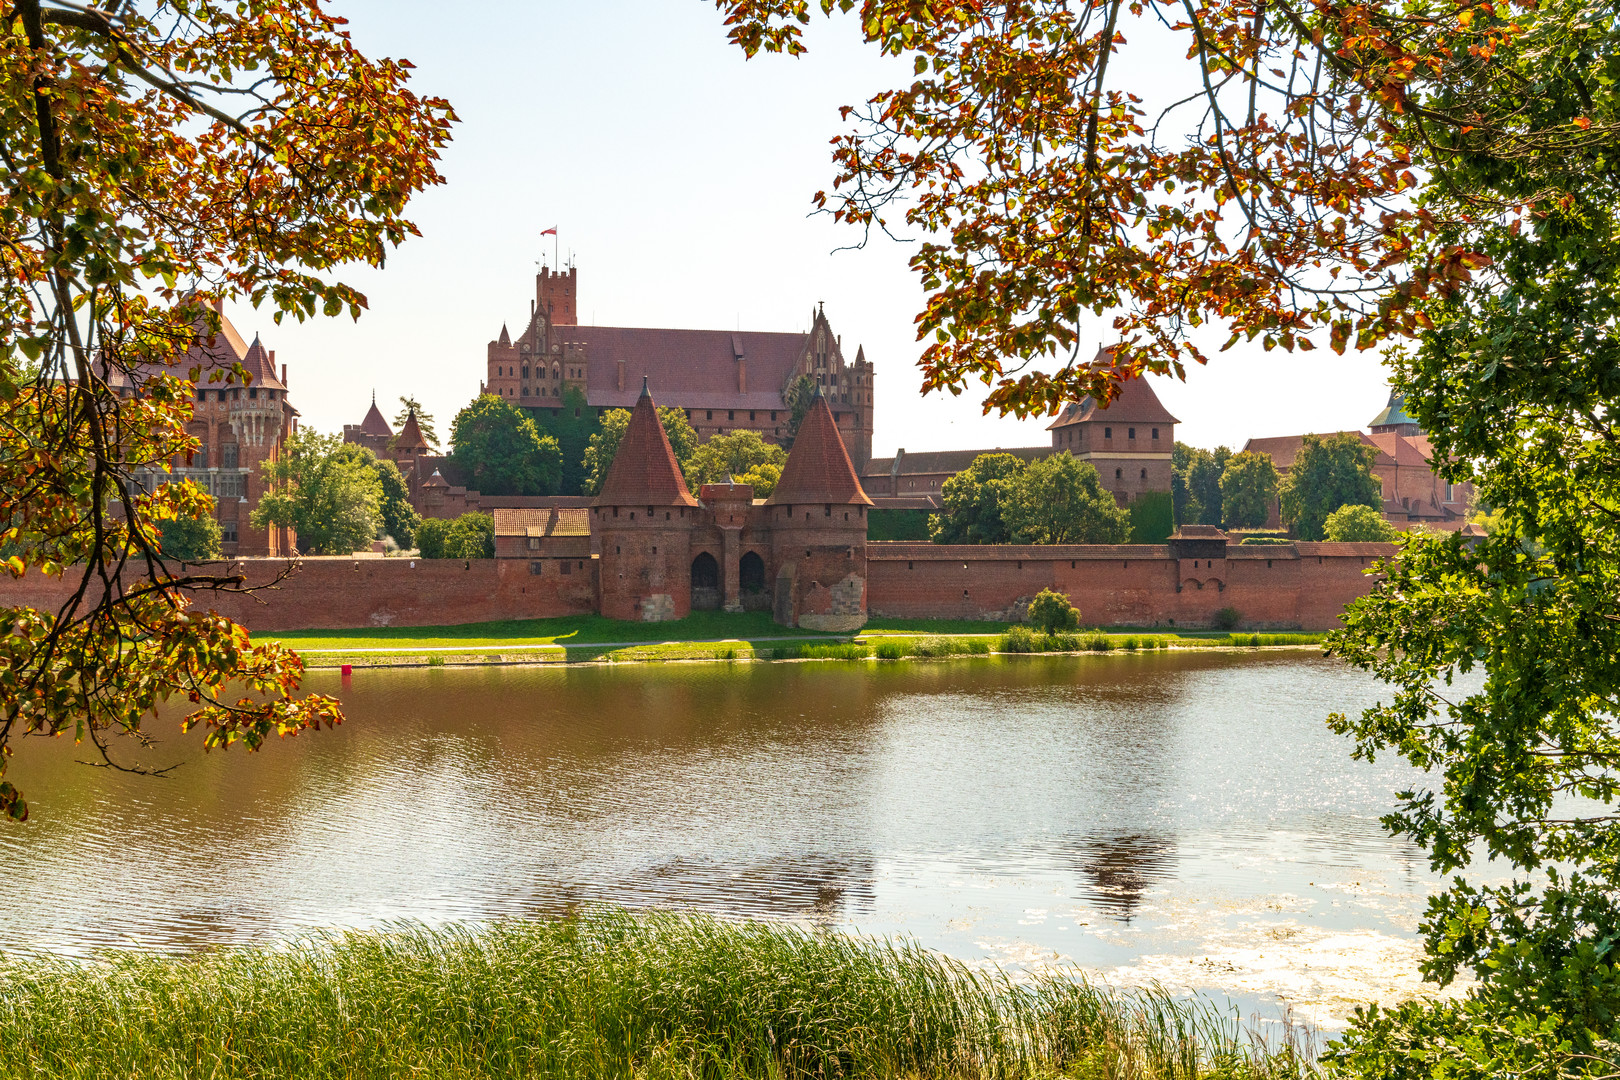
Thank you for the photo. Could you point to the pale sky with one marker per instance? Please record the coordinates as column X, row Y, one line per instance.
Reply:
column 680, row 177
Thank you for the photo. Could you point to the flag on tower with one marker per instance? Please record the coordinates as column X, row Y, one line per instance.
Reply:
column 550, row 232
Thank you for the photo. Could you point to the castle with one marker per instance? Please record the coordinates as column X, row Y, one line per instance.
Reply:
column 724, row 380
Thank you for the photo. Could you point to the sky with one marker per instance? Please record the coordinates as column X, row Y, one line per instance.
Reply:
column 680, row 178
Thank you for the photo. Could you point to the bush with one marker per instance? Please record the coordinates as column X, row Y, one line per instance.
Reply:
column 1020, row 639
column 1099, row 643
column 1051, row 611
column 430, row 538
column 890, row 650
column 1266, row 540
column 1359, row 524
column 189, row 539
column 1153, row 517
column 1227, row 618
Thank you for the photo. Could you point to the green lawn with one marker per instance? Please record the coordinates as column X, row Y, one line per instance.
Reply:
column 571, row 631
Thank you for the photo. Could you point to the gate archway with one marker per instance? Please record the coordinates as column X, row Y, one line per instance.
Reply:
column 705, row 583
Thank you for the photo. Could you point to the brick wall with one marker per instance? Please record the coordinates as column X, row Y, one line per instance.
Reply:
column 340, row 593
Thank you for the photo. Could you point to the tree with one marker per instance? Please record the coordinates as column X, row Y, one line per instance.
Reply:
column 502, row 452
column 1359, row 524
column 432, row 538
column 1060, row 500
column 604, row 445
column 1204, row 482
column 1185, row 506
column 1328, row 473
column 324, row 490
column 572, row 424
column 1052, row 612
column 1248, row 484
column 424, row 422
column 763, row 478
column 471, row 536
column 730, row 455
column 798, row 397
column 159, row 158
column 972, row 502
column 399, row 517
column 189, row 539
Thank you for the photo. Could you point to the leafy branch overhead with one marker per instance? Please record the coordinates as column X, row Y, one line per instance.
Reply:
column 159, row 158
column 1282, row 201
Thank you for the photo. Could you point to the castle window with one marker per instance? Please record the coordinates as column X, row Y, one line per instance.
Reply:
column 617, row 550
column 535, row 566
column 773, row 416
column 227, row 531
column 525, row 371
column 666, row 515
column 708, row 414
column 253, row 393
column 731, row 414
column 1131, row 433
column 1119, row 474
column 1144, row 474
column 911, row 566
column 750, row 416
column 655, row 549
column 632, row 515
column 1155, row 433
column 649, row 512
column 525, row 391
column 615, row 511
column 827, row 512
column 229, row 454
column 534, row 544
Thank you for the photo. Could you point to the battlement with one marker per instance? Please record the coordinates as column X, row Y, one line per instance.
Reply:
column 558, row 293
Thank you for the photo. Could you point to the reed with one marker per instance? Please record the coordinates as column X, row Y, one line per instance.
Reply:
column 846, row 650
column 603, row 994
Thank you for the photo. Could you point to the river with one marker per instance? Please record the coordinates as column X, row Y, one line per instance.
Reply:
column 1182, row 818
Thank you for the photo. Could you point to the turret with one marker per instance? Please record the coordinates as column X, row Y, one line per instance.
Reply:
column 817, row 515
column 644, row 517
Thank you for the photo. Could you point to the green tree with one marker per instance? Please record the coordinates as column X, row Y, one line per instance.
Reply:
column 325, row 491
column 502, row 452
column 1248, row 484
column 1152, row 517
column 604, row 445
column 189, row 539
column 1052, row 612
column 1359, row 524
column 1060, row 500
column 424, row 421
column 1204, row 482
column 763, row 478
column 432, row 538
column 399, row 517
column 798, row 397
column 471, row 536
column 1328, row 473
column 572, row 423
column 971, row 510
column 732, row 455
column 1186, row 507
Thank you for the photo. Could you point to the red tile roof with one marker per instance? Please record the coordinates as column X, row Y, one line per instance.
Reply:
column 1285, row 448
column 947, row 461
column 699, row 366
column 818, row 469
column 374, row 424
column 644, row 470
column 410, row 436
column 1136, row 404
column 1403, row 448
column 548, row 521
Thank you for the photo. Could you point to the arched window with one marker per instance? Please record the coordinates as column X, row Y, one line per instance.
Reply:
column 751, row 573
column 705, row 583
column 1119, row 474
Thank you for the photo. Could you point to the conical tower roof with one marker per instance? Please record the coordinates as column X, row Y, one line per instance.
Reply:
column 1393, row 414
column 410, row 436
column 818, row 469
column 644, row 471
column 374, row 424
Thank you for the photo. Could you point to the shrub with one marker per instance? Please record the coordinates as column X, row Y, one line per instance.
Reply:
column 430, row 538
column 1051, row 611
column 1130, row 644
column 890, row 650
column 1019, row 639
column 1227, row 618
column 1099, row 643
column 189, row 539
column 1359, row 524
column 1266, row 540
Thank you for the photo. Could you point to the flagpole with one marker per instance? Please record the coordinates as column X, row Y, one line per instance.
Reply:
column 554, row 255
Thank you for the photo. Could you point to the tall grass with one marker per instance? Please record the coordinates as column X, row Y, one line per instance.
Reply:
column 604, row 995
column 847, row 650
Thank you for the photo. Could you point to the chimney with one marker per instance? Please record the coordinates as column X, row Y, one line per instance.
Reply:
column 283, row 369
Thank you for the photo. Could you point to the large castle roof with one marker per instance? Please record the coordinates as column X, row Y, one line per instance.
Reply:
column 818, row 468
column 644, row 470
column 699, row 367
column 1135, row 404
column 374, row 424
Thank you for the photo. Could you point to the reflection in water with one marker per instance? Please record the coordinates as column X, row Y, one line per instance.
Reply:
column 1120, row 868
column 975, row 804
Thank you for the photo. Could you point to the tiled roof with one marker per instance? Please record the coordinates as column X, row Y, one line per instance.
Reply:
column 410, row 436
column 818, row 468
column 698, row 367
column 374, row 424
column 211, row 353
column 554, row 521
column 1357, row 550
column 946, row 461
column 1136, row 404
column 1402, row 448
column 1285, row 448
column 644, row 470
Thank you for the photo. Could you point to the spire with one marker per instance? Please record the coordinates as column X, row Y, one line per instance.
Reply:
column 374, row 424
column 644, row 470
column 506, row 338
column 410, row 436
column 818, row 470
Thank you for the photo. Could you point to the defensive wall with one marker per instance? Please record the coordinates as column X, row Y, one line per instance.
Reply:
column 1286, row 586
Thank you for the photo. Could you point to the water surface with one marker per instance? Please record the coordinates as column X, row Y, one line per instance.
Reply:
column 1182, row 817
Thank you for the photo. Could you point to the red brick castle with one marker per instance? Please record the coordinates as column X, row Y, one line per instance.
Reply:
column 724, row 380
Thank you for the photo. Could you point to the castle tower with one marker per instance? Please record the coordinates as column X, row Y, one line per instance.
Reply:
column 1393, row 418
column 644, row 518
column 817, row 517
column 557, row 294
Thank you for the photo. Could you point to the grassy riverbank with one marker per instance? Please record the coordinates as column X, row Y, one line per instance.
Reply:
column 603, row 995
column 717, row 636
